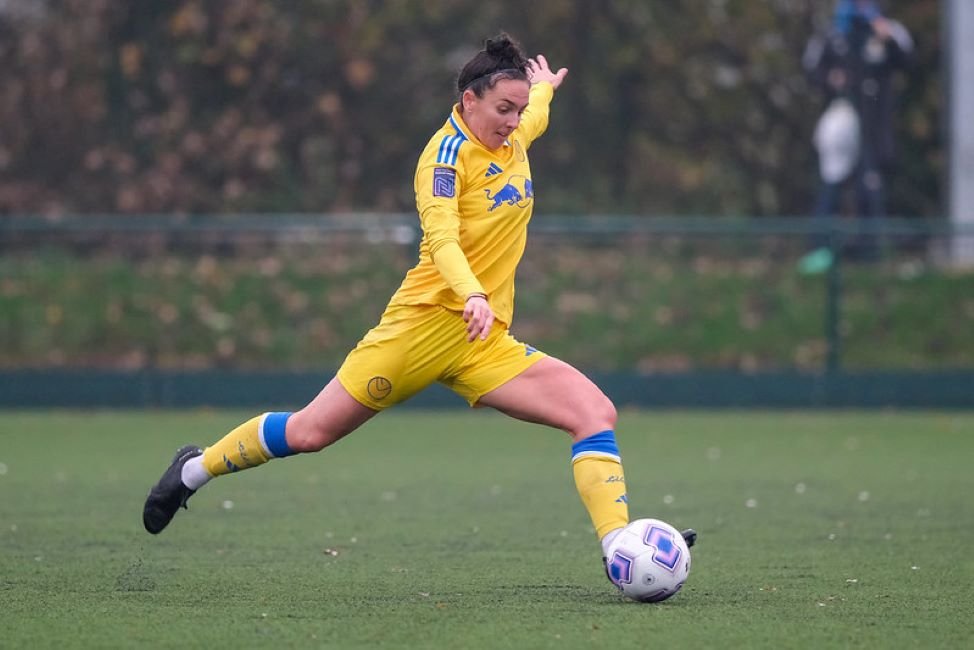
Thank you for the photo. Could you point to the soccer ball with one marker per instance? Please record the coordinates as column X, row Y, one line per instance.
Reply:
column 648, row 560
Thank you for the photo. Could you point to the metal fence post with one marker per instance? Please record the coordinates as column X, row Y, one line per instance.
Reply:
column 833, row 303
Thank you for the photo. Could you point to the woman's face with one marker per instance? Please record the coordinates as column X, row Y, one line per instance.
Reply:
column 494, row 116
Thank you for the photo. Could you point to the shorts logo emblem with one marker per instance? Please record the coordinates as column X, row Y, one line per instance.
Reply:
column 379, row 387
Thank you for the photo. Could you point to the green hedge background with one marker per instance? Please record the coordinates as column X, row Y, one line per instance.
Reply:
column 629, row 302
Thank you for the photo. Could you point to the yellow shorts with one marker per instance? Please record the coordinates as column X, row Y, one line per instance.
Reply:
column 415, row 345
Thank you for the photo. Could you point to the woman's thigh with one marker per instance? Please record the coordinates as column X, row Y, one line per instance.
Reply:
column 554, row 393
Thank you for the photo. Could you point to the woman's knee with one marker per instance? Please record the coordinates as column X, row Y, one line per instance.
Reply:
column 605, row 413
column 305, row 435
column 595, row 414
column 609, row 412
column 330, row 416
column 312, row 429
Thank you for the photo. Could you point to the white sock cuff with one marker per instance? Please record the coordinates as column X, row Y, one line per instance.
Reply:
column 194, row 474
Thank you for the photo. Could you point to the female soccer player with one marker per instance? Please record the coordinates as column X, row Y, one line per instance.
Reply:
column 449, row 320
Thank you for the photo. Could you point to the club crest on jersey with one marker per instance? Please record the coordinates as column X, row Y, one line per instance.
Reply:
column 518, row 191
column 444, row 182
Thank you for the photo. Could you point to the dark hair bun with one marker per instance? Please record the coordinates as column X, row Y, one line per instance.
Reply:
column 503, row 48
column 500, row 54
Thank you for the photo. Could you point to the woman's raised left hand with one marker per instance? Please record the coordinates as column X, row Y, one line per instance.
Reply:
column 538, row 71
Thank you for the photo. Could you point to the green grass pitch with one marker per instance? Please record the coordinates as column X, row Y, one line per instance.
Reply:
column 461, row 529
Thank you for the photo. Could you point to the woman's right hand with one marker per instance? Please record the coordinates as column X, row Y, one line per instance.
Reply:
column 479, row 317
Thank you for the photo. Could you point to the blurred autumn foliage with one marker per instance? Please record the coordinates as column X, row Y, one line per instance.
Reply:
column 192, row 106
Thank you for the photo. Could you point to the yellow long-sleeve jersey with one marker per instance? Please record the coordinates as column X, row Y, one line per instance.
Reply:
column 474, row 206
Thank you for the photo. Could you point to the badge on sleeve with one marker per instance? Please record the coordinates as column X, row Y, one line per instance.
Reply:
column 444, row 182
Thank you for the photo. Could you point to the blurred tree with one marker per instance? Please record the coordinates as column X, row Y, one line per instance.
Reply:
column 320, row 105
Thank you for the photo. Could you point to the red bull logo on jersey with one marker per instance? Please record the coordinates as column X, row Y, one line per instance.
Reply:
column 516, row 191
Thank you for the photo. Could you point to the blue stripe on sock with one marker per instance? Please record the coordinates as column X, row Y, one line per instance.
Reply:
column 604, row 442
column 274, row 425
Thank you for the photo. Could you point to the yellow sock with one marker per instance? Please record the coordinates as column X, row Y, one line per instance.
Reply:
column 600, row 481
column 253, row 443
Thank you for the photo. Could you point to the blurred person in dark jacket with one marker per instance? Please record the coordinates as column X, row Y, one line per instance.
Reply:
column 854, row 63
